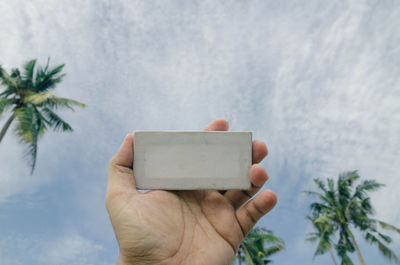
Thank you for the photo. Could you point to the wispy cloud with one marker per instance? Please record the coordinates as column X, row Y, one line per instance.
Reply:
column 67, row 249
column 319, row 83
column 71, row 249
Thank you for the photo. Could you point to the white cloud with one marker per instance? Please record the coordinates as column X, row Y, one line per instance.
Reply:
column 319, row 83
column 14, row 172
column 69, row 249
column 336, row 108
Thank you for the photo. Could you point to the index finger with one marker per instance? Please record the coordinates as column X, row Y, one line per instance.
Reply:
column 217, row 125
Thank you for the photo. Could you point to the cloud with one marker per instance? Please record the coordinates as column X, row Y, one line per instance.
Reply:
column 14, row 174
column 318, row 83
column 67, row 249
column 71, row 249
column 335, row 108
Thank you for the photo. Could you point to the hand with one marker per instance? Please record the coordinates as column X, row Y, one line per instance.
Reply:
column 182, row 227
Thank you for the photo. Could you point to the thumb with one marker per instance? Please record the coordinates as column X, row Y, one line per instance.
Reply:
column 120, row 173
column 124, row 156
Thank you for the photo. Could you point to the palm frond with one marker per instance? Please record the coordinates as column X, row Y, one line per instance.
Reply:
column 247, row 256
column 25, row 117
column 56, row 122
column 320, row 184
column 31, row 126
column 361, row 221
column 366, row 185
column 16, row 76
column 346, row 260
column 344, row 186
column 270, row 238
column 8, row 92
column 5, row 103
column 322, row 247
column 351, row 176
column 48, row 79
column 365, row 205
column 331, row 185
column 345, row 240
column 31, row 153
column 260, row 243
column 388, row 226
column 15, row 73
column 40, row 98
column 312, row 237
column 29, row 68
column 331, row 193
column 49, row 100
column 320, row 196
column 312, row 193
column 385, row 238
column 387, row 253
column 273, row 250
column 8, row 82
column 56, row 70
column 342, row 249
column 319, row 208
column 64, row 102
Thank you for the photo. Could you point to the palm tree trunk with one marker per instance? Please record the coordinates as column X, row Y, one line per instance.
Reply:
column 353, row 240
column 7, row 125
column 239, row 257
column 333, row 257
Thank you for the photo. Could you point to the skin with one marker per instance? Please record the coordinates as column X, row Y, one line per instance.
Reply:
column 182, row 227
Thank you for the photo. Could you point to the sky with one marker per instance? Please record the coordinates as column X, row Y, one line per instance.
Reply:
column 318, row 82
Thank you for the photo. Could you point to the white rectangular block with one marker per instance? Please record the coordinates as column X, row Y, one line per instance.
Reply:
column 188, row 160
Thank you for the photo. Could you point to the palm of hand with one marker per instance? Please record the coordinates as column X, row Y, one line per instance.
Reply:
column 184, row 227
column 181, row 227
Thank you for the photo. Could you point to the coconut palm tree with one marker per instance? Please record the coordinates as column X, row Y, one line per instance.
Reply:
column 347, row 207
column 323, row 234
column 259, row 245
column 30, row 104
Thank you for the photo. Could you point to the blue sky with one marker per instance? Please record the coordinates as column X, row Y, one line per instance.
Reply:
column 318, row 82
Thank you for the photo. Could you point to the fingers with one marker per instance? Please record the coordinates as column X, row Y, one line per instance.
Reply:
column 258, row 176
column 120, row 173
column 253, row 210
column 217, row 125
column 260, row 151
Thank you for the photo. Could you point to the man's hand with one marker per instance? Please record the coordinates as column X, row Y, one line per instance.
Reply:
column 182, row 227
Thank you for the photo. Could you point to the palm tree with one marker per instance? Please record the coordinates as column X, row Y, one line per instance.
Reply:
column 31, row 105
column 254, row 246
column 345, row 207
column 323, row 234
